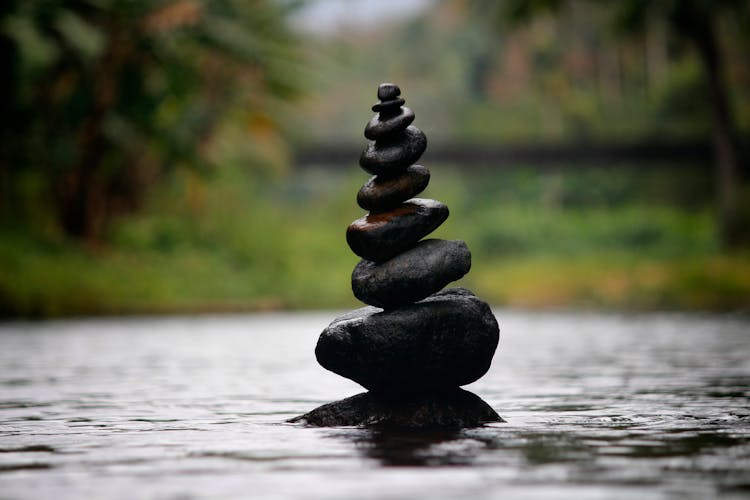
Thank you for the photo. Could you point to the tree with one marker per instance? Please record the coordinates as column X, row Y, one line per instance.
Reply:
column 694, row 21
column 105, row 96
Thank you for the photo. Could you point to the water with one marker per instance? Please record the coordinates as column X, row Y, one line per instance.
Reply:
column 598, row 406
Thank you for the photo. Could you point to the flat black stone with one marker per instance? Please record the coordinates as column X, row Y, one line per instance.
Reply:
column 456, row 409
column 440, row 343
column 392, row 155
column 384, row 193
column 387, row 106
column 380, row 126
column 388, row 91
column 412, row 275
column 382, row 235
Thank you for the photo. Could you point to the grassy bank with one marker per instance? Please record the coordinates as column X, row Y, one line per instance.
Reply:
column 232, row 242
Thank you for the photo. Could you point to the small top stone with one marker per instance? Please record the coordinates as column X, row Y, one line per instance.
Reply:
column 388, row 91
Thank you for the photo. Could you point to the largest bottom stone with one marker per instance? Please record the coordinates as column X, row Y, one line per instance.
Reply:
column 442, row 342
column 453, row 409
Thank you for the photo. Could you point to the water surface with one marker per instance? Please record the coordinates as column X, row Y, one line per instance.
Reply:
column 597, row 406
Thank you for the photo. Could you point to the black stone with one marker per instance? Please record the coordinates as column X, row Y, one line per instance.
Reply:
column 412, row 275
column 388, row 106
column 392, row 155
column 380, row 236
column 384, row 193
column 456, row 409
column 388, row 91
column 380, row 127
column 442, row 342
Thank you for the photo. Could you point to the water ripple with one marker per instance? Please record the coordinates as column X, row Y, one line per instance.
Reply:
column 597, row 406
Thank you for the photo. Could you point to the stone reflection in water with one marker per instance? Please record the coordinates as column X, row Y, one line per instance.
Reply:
column 437, row 447
column 415, row 345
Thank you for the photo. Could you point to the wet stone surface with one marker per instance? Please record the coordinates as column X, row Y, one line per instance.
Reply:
column 388, row 91
column 442, row 342
column 456, row 409
column 392, row 155
column 382, row 126
column 383, row 193
column 380, row 236
column 388, row 106
column 421, row 348
column 412, row 275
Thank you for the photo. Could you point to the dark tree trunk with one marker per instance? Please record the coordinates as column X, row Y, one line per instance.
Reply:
column 480, row 71
column 8, row 115
column 80, row 192
column 82, row 206
column 702, row 34
column 84, row 193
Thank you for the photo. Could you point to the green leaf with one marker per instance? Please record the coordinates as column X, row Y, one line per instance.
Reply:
column 36, row 50
column 86, row 39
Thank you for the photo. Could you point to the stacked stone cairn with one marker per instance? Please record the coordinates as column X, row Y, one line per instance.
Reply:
column 414, row 345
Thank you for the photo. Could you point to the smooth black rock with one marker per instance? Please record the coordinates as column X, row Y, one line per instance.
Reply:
column 388, row 106
column 388, row 91
column 380, row 127
column 456, row 409
column 442, row 342
column 379, row 236
column 384, row 193
column 392, row 155
column 412, row 275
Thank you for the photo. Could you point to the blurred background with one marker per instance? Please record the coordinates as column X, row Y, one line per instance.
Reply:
column 173, row 156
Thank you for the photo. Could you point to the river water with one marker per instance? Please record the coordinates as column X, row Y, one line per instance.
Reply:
column 597, row 406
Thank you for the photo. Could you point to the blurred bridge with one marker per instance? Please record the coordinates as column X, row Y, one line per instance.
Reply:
column 698, row 153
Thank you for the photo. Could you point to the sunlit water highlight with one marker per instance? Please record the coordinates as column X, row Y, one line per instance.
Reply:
column 598, row 406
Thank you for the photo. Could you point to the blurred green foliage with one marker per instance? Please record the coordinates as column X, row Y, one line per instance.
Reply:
column 474, row 76
column 696, row 24
column 103, row 97
column 538, row 239
column 185, row 110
